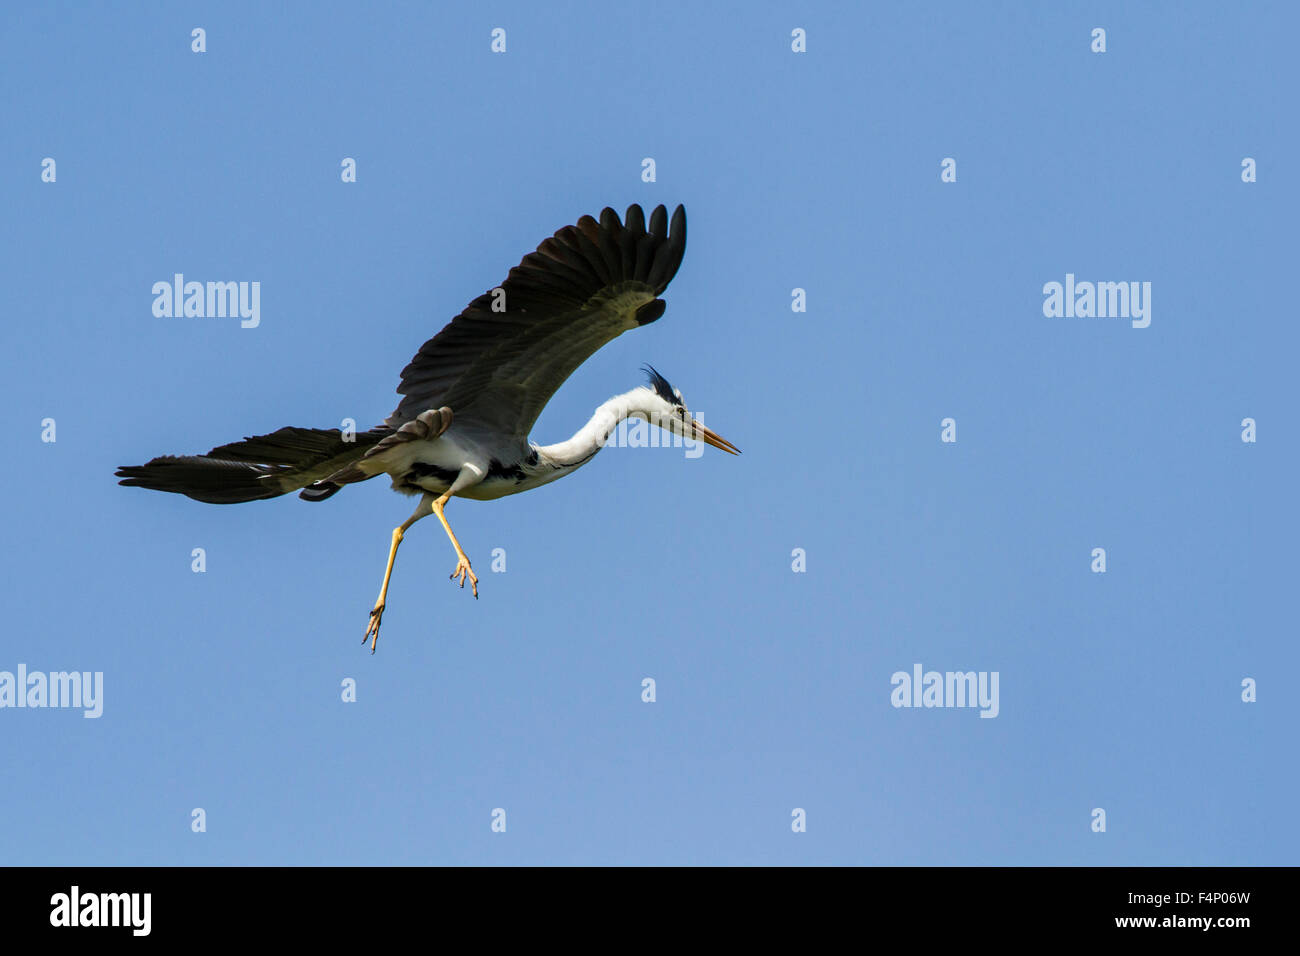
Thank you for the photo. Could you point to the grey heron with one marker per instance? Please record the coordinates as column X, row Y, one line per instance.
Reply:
column 473, row 391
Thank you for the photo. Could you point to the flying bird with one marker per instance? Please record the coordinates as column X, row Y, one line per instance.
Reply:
column 473, row 391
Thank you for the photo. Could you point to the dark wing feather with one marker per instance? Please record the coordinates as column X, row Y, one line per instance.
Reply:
column 584, row 286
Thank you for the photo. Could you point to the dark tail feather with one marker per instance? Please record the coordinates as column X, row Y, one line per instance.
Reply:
column 266, row 466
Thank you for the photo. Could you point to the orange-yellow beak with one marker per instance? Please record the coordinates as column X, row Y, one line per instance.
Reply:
column 711, row 437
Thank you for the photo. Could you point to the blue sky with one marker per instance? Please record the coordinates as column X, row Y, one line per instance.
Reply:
column 818, row 170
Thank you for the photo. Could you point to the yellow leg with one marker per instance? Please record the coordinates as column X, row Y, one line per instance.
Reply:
column 372, row 629
column 463, row 570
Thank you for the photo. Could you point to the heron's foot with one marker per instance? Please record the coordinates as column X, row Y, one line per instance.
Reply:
column 463, row 571
column 372, row 629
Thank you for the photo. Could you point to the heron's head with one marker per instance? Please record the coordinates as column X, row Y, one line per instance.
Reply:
column 663, row 405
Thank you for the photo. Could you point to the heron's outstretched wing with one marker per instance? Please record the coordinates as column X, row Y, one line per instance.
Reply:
column 498, row 363
column 265, row 466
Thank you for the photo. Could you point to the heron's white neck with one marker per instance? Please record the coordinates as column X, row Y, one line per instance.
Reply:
column 591, row 437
